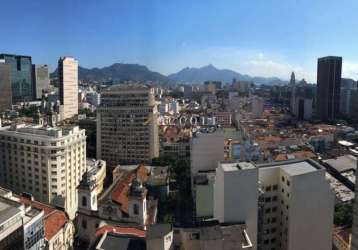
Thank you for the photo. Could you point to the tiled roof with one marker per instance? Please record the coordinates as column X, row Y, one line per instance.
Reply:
column 54, row 219
column 120, row 192
column 120, row 230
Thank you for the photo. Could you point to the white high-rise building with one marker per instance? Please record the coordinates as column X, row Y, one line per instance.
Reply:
column 354, row 243
column 290, row 203
column 44, row 161
column 68, row 86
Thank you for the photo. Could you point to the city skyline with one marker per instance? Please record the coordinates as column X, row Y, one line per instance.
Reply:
column 255, row 38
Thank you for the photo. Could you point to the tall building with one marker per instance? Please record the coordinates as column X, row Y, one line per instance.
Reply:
column 40, row 80
column 287, row 205
column 44, row 161
column 329, row 72
column 127, row 129
column 68, row 86
column 293, row 79
column 20, row 76
column 5, row 86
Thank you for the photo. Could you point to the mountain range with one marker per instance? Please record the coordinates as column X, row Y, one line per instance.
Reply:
column 210, row 72
column 125, row 72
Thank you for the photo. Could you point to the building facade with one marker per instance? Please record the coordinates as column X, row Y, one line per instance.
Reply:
column 46, row 162
column 20, row 76
column 68, row 86
column 329, row 72
column 5, row 86
column 127, row 129
column 40, row 80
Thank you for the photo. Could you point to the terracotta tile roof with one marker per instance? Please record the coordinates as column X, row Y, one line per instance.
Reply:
column 54, row 219
column 120, row 230
column 120, row 192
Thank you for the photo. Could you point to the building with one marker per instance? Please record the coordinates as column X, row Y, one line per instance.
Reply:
column 125, row 201
column 22, row 227
column 40, row 80
column 20, row 76
column 212, row 86
column 127, row 129
column 301, row 102
column 329, row 72
column 354, row 241
column 5, row 86
column 68, row 86
column 296, row 206
column 206, row 150
column 236, row 196
column 44, row 161
column 293, row 79
column 257, row 106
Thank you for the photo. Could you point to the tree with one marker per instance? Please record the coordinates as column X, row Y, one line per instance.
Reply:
column 343, row 215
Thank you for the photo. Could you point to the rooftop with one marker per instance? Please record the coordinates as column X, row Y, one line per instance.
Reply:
column 54, row 219
column 112, row 241
column 298, row 168
column 343, row 163
column 236, row 166
column 158, row 230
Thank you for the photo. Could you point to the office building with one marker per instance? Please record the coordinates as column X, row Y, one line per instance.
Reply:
column 40, row 80
column 44, row 161
column 5, row 86
column 68, row 86
column 20, row 76
column 127, row 129
column 293, row 79
column 329, row 72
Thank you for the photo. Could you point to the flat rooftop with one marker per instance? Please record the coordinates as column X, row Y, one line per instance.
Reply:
column 298, row 168
column 236, row 166
column 343, row 163
column 8, row 209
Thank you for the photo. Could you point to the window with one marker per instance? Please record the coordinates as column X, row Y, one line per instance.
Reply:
column 288, row 183
column 283, row 179
column 84, row 201
column 84, row 224
column 268, row 188
column 136, row 209
column 274, row 187
column 195, row 236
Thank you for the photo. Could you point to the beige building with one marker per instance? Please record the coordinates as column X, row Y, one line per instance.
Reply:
column 127, row 129
column 44, row 161
column 68, row 86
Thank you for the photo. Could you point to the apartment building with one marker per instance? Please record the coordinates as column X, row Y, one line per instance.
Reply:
column 285, row 205
column 47, row 162
column 68, row 86
column 21, row 227
column 127, row 129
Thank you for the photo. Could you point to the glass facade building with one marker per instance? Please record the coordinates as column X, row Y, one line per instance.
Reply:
column 21, row 77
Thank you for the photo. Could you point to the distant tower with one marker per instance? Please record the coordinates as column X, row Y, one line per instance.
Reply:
column 68, row 86
column 293, row 79
column 329, row 71
column 87, row 195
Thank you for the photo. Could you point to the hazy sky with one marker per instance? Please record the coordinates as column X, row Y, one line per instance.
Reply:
column 256, row 37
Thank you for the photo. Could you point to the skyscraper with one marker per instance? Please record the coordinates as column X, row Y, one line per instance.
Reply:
column 293, row 79
column 40, row 79
column 20, row 76
column 5, row 86
column 127, row 129
column 68, row 86
column 329, row 70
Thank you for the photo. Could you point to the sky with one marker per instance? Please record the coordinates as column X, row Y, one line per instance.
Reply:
column 255, row 37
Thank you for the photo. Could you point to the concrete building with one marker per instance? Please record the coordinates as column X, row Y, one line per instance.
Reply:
column 127, row 129
column 236, row 196
column 257, row 106
column 206, row 150
column 20, row 77
column 44, row 161
column 329, row 72
column 68, row 86
column 296, row 206
column 212, row 235
column 5, row 86
column 22, row 227
column 40, row 80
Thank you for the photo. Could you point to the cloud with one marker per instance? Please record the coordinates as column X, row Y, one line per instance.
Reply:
column 350, row 69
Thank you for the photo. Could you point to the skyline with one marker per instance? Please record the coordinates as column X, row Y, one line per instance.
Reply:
column 255, row 38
